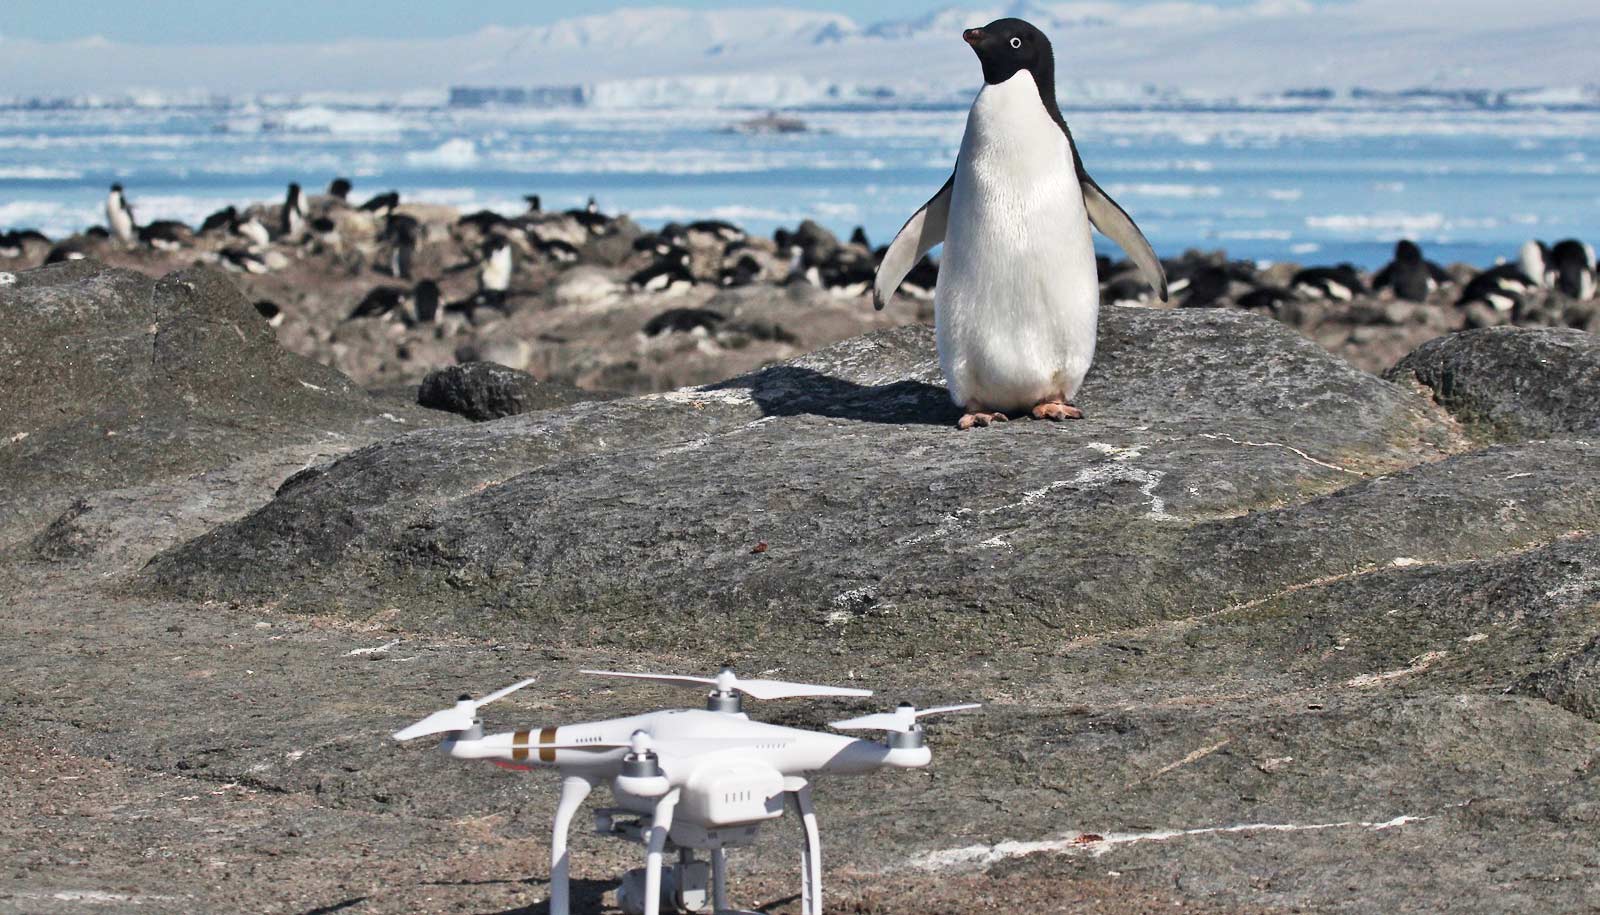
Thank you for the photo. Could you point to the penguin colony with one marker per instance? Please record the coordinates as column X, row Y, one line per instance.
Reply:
column 495, row 264
column 1015, row 314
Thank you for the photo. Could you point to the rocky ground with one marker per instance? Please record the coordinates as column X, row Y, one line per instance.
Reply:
column 1263, row 633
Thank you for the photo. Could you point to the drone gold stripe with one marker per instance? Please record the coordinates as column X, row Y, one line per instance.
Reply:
column 547, row 735
column 519, row 746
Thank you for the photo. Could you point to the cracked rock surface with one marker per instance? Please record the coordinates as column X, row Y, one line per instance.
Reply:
column 1263, row 633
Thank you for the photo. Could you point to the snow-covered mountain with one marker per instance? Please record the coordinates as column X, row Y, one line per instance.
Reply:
column 1107, row 50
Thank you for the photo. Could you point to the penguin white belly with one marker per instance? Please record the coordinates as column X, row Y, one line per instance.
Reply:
column 1018, row 298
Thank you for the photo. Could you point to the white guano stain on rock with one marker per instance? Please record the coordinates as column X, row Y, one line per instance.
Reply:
column 7, row 279
column 699, row 397
column 1094, row 845
column 1096, row 476
column 1290, row 448
column 1418, row 665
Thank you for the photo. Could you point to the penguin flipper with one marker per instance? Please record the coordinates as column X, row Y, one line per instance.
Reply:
column 921, row 234
column 1115, row 223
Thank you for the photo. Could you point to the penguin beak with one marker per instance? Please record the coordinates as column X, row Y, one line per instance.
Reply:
column 973, row 37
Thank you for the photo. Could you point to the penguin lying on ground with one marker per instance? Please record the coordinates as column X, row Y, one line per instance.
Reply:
column 1504, row 288
column 166, row 235
column 1341, row 284
column 1018, row 301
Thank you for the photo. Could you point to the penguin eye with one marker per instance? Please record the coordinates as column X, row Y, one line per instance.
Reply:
column 1016, row 42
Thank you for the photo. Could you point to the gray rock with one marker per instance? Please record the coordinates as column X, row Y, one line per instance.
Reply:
column 847, row 464
column 1245, row 637
column 1573, row 683
column 1512, row 383
column 487, row 390
column 113, row 379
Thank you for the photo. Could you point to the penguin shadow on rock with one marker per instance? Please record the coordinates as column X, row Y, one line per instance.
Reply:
column 789, row 390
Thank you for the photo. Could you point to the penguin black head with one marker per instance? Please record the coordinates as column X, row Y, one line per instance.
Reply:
column 1407, row 252
column 1007, row 46
column 340, row 188
column 116, row 188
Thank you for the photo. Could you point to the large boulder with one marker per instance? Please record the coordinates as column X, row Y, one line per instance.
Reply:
column 113, row 379
column 1512, row 382
column 1194, row 479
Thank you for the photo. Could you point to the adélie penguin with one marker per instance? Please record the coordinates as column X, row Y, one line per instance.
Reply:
column 1018, row 298
column 119, row 215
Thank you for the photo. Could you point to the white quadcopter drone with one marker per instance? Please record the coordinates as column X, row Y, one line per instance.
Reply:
column 686, row 779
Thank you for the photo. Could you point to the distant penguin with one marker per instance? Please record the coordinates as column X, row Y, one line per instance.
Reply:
column 847, row 279
column 1271, row 299
column 241, row 260
column 166, row 235
column 683, row 321
column 745, row 271
column 11, row 245
column 1207, row 287
column 382, row 203
column 1018, row 302
column 1535, row 260
column 1341, row 283
column 799, row 271
column 725, row 232
column 379, row 302
column 326, row 233
column 1504, row 288
column 669, row 274
column 252, row 231
column 425, row 303
column 271, row 312
column 590, row 218
column 859, row 237
column 221, row 219
column 401, row 232
column 339, row 189
column 119, row 215
column 535, row 205
column 484, row 221
column 292, row 225
column 1125, row 290
column 69, row 250
column 1572, row 266
column 557, row 250
column 1410, row 276
column 494, row 274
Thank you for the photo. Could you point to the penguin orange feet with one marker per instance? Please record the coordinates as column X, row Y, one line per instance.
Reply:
column 1056, row 410
column 979, row 418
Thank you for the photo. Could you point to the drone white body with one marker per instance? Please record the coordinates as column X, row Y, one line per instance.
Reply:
column 696, row 779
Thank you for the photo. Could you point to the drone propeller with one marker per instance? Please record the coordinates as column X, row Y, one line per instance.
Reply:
column 902, row 719
column 458, row 717
column 726, row 683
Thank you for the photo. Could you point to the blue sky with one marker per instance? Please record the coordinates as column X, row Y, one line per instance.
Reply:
column 223, row 22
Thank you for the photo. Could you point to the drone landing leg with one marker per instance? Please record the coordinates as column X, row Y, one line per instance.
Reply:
column 810, row 855
column 573, row 791
column 660, row 825
column 719, row 880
